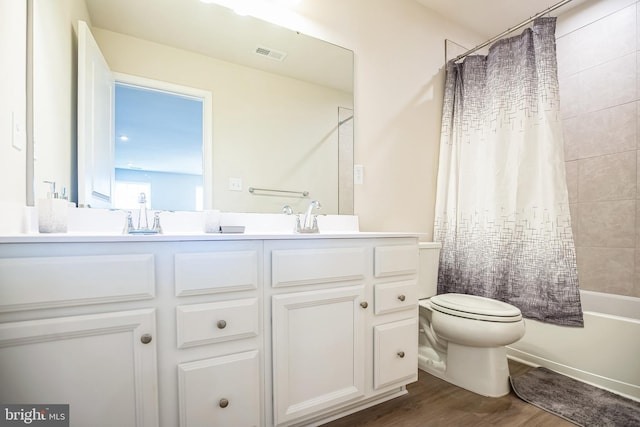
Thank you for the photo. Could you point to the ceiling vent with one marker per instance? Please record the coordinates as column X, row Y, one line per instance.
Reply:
column 266, row 52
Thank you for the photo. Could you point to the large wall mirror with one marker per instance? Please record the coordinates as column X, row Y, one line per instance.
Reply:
column 279, row 120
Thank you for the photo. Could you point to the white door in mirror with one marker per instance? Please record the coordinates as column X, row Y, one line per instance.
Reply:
column 95, row 124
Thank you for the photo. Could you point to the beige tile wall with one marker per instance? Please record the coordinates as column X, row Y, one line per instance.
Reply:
column 598, row 68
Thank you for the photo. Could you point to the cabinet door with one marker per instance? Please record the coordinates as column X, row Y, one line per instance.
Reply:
column 318, row 350
column 98, row 364
column 222, row 391
column 395, row 356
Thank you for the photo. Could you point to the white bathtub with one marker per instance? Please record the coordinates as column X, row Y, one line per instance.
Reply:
column 605, row 353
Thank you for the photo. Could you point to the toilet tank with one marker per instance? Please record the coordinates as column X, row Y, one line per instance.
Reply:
column 429, row 257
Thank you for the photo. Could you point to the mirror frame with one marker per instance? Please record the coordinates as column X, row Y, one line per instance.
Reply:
column 30, row 190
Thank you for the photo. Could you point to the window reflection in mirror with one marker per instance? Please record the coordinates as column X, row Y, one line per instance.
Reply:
column 158, row 144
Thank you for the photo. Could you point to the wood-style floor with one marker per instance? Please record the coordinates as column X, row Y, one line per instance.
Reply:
column 432, row 402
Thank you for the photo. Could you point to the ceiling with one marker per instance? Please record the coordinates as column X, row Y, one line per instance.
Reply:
column 214, row 30
column 489, row 18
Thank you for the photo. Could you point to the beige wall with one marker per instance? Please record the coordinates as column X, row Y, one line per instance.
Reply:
column 54, row 92
column 13, row 53
column 597, row 61
column 399, row 78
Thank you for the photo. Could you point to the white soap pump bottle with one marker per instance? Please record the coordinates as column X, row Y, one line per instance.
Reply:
column 52, row 212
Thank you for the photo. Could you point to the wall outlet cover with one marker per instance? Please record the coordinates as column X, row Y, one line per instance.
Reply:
column 358, row 174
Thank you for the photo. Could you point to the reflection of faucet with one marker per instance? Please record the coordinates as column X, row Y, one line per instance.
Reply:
column 143, row 220
column 128, row 225
column 310, row 222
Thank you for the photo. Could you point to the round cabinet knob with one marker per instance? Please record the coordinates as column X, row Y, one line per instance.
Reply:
column 364, row 304
column 146, row 338
column 223, row 403
column 400, row 354
column 221, row 324
column 401, row 297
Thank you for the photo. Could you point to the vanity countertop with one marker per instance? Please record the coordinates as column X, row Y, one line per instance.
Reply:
column 98, row 238
column 104, row 226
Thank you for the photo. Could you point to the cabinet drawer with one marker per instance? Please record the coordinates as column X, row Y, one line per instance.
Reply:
column 46, row 282
column 222, row 391
column 310, row 266
column 199, row 324
column 389, row 297
column 212, row 272
column 395, row 260
column 395, row 355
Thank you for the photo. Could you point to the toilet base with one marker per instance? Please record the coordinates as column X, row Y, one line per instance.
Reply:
column 482, row 370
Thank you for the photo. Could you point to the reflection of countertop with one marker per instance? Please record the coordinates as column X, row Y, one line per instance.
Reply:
column 110, row 223
column 97, row 238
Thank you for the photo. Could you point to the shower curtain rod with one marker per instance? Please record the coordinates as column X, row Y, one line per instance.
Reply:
column 510, row 30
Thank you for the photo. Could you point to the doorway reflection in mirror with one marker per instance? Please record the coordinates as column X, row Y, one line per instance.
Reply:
column 159, row 144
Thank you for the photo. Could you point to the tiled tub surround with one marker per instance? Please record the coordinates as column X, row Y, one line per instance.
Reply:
column 598, row 57
column 598, row 63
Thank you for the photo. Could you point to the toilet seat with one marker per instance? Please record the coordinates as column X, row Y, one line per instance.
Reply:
column 475, row 307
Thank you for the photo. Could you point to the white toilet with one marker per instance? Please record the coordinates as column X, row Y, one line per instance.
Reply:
column 463, row 337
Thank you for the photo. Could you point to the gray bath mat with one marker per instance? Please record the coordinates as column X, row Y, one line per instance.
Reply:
column 575, row 401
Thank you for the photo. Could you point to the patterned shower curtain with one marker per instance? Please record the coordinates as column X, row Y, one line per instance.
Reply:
column 502, row 211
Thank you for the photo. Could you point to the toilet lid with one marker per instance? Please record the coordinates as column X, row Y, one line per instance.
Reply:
column 475, row 307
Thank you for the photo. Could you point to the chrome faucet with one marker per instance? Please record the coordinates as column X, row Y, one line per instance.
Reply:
column 310, row 222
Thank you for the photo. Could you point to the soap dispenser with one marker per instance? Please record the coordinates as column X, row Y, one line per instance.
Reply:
column 52, row 212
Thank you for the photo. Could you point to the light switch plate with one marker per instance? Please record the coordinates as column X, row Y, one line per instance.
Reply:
column 235, row 184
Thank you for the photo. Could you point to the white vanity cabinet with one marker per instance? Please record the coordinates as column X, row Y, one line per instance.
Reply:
column 221, row 391
column 114, row 382
column 318, row 350
column 395, row 293
column 65, row 337
column 219, row 341
column 133, row 332
column 343, row 335
column 197, row 331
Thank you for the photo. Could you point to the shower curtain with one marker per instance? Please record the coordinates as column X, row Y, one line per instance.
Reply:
column 502, row 211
